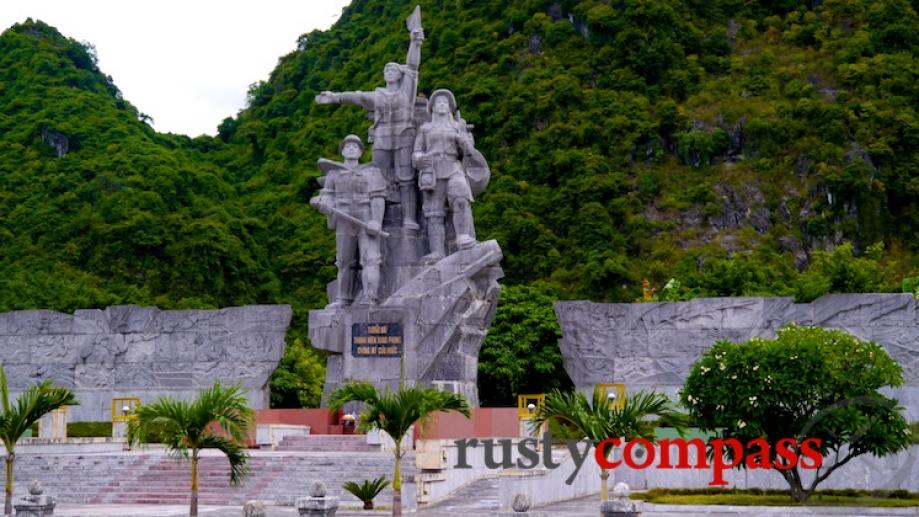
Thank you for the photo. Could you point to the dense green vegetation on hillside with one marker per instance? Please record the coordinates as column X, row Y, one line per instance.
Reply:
column 731, row 146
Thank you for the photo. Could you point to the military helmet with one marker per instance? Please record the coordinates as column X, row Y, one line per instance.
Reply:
column 350, row 138
column 446, row 93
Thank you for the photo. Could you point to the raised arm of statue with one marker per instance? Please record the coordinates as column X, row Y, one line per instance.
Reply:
column 364, row 99
column 413, row 59
column 413, row 24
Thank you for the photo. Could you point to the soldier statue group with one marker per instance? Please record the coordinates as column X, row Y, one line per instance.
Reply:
column 419, row 146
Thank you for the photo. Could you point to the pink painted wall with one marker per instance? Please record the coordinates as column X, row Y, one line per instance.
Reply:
column 483, row 422
column 320, row 420
column 494, row 422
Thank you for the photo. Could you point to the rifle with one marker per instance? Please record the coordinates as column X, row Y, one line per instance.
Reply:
column 352, row 219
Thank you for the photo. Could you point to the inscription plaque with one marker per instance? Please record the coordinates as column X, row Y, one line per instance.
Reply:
column 376, row 340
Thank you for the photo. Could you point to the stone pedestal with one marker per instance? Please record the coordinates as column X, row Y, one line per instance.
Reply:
column 254, row 508
column 520, row 508
column 432, row 327
column 620, row 505
column 35, row 504
column 317, row 506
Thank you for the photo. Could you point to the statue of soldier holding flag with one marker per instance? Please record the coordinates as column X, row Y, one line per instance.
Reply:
column 393, row 129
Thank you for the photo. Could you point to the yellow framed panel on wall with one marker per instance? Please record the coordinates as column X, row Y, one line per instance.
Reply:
column 528, row 402
column 122, row 407
column 615, row 389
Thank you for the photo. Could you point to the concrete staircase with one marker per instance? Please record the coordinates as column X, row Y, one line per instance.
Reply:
column 327, row 443
column 478, row 498
column 152, row 477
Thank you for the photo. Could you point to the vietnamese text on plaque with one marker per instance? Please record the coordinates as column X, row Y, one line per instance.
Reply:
column 376, row 339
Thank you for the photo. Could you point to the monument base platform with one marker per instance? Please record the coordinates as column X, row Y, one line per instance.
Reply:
column 431, row 328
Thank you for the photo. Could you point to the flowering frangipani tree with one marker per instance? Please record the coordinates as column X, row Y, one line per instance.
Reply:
column 809, row 382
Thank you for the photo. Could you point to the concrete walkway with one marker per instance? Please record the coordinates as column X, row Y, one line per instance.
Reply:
column 576, row 508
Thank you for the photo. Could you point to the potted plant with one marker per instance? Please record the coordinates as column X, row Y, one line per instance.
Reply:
column 366, row 490
column 348, row 424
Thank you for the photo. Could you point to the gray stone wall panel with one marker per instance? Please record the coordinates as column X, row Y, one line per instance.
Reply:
column 142, row 351
column 653, row 345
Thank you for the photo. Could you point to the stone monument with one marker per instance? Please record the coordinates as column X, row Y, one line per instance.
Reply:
column 620, row 505
column 319, row 503
column 36, row 504
column 416, row 291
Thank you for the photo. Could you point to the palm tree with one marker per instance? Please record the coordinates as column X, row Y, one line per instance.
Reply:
column 394, row 413
column 187, row 427
column 32, row 404
column 603, row 419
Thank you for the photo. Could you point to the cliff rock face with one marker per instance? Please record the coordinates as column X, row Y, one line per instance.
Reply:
column 654, row 345
column 128, row 351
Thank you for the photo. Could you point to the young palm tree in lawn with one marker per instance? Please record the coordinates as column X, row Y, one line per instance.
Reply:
column 32, row 404
column 394, row 413
column 187, row 429
column 604, row 419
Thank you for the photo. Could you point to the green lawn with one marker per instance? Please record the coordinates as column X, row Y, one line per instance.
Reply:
column 898, row 498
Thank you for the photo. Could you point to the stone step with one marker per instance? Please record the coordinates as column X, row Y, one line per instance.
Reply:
column 327, row 443
column 131, row 478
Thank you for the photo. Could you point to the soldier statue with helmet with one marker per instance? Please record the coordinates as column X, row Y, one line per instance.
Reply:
column 444, row 154
column 353, row 196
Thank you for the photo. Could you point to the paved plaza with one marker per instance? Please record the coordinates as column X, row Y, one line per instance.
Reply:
column 475, row 508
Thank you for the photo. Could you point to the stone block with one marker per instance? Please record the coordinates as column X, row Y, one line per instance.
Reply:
column 887, row 310
column 654, row 316
column 29, row 323
column 742, row 313
column 177, row 346
column 129, row 319
column 249, row 346
column 802, row 314
column 93, row 376
column 840, row 310
column 90, row 321
column 14, row 350
column 776, row 312
column 169, row 322
column 317, row 506
column 51, row 348
column 102, row 349
column 134, row 375
column 210, row 348
column 139, row 347
column 61, row 374
column 20, row 376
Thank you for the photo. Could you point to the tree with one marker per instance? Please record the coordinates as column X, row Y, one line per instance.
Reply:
column 602, row 418
column 840, row 271
column 520, row 353
column 809, row 382
column 297, row 382
column 188, row 426
column 35, row 402
column 394, row 413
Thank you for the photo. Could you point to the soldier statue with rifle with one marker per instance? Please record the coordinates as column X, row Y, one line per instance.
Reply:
column 353, row 195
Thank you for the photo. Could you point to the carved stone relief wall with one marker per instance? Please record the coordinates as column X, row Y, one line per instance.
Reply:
column 654, row 345
column 130, row 351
